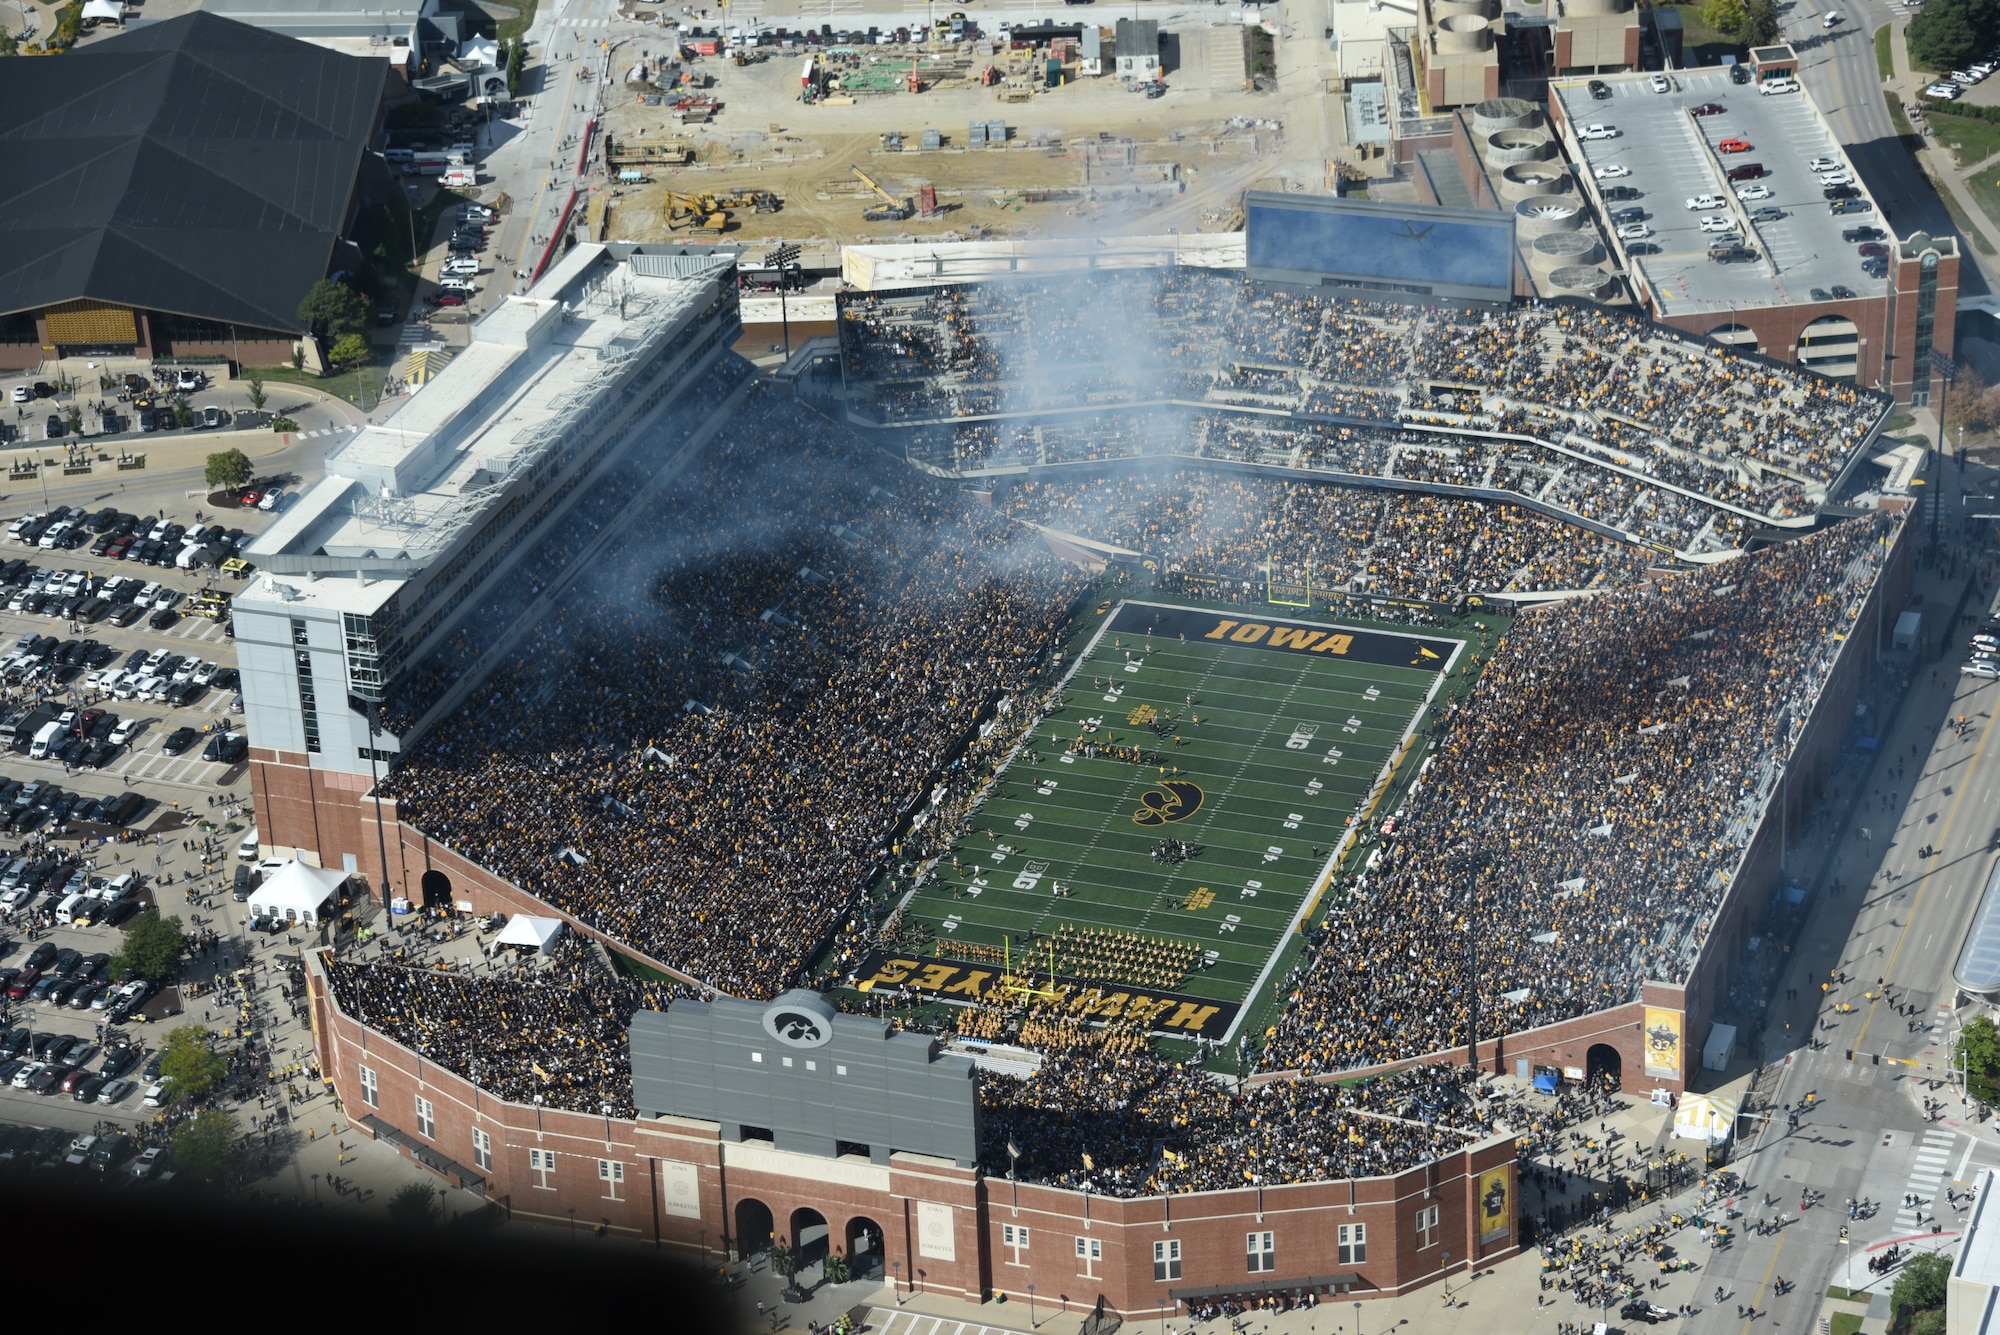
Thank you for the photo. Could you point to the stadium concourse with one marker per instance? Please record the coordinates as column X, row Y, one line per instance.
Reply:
column 1673, row 442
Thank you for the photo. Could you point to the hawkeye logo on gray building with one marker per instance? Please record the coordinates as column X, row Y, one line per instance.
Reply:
column 800, row 1019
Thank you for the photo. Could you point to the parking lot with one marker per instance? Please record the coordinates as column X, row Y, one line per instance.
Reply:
column 1663, row 156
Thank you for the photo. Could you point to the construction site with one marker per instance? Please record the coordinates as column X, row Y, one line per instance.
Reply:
column 977, row 140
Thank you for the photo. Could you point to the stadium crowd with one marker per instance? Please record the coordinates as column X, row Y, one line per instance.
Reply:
column 1208, row 527
column 557, row 1034
column 1585, row 807
column 1623, row 411
column 705, row 752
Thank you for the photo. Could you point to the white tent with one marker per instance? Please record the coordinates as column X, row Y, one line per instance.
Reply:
column 478, row 53
column 110, row 11
column 538, row 934
column 296, row 893
column 1709, row 1117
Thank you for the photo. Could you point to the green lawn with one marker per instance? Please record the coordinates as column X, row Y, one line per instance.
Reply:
column 1846, row 1323
column 1704, row 43
column 358, row 384
column 1289, row 746
column 1884, row 61
column 1985, row 188
column 1969, row 138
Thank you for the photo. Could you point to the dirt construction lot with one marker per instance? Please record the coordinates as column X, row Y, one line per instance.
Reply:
column 1090, row 156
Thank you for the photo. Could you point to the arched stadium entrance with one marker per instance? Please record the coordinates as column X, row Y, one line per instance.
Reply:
column 437, row 889
column 1733, row 335
column 864, row 1247
column 753, row 1228
column 809, row 1247
column 1603, row 1061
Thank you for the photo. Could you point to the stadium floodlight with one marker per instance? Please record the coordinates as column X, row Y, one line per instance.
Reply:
column 785, row 259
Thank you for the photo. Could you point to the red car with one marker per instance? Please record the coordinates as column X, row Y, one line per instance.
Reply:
column 449, row 299
column 1874, row 248
column 20, row 986
column 116, row 551
column 1708, row 109
column 248, row 500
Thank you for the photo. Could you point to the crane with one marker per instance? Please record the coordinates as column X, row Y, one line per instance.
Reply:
column 890, row 209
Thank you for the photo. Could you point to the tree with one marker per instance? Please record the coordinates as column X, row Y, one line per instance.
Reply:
column 191, row 1063
column 517, row 61
column 1978, row 1052
column 348, row 349
column 205, row 1146
column 1946, row 35
column 414, row 1205
column 230, row 469
column 283, row 423
column 1921, row 1285
column 9, row 45
column 1760, row 23
column 331, row 309
column 256, row 383
column 183, row 415
column 152, row 949
column 73, row 416
column 1725, row 16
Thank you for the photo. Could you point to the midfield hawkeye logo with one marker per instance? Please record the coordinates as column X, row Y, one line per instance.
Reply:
column 1173, row 800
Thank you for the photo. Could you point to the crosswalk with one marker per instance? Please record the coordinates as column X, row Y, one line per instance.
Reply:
column 583, row 23
column 1926, row 1177
column 343, row 430
column 890, row 1321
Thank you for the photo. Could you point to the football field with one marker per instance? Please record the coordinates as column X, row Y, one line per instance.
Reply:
column 1167, row 829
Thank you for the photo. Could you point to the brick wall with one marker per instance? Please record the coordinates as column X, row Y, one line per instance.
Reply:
column 943, row 1229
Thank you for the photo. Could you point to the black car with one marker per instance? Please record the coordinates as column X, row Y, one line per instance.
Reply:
column 1599, row 90
column 1875, row 268
column 1618, row 194
column 67, row 962
column 1749, row 171
column 126, row 615
column 1739, row 74
column 1732, row 254
column 1841, row 293
column 119, row 913
column 244, row 884
column 56, row 427
column 180, row 739
column 226, row 749
column 1841, row 192
column 1862, row 234
column 163, row 618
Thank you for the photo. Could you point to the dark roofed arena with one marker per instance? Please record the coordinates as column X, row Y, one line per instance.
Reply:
column 179, row 188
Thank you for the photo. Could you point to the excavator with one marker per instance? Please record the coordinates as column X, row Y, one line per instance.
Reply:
column 699, row 213
column 890, row 209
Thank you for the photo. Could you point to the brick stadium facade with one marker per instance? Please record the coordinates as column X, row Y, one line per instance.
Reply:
column 925, row 1222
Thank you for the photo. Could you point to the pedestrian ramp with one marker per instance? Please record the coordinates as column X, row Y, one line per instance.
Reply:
column 896, row 1321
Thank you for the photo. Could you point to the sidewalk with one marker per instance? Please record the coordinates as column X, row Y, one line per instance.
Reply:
column 1937, row 162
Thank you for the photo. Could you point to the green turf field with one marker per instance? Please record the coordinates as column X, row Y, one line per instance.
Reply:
column 1299, row 721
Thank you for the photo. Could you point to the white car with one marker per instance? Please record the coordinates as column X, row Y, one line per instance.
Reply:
column 123, row 732
column 1948, row 91
column 1594, row 130
column 1660, row 84
column 1611, row 172
column 1964, row 78
column 1747, row 192
column 22, row 393
column 1699, row 202
column 1832, row 19
column 464, row 268
column 1824, row 165
column 455, row 283
column 1980, row 669
column 1773, row 87
column 1634, row 232
column 187, row 381
column 274, row 499
column 165, row 598
column 1837, row 178
column 1717, row 222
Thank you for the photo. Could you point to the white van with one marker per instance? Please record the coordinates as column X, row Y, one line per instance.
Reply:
column 66, row 911
column 118, row 887
column 47, row 740
column 157, row 1095
column 247, row 850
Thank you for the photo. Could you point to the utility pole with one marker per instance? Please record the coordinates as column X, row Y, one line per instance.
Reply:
column 1942, row 368
column 786, row 260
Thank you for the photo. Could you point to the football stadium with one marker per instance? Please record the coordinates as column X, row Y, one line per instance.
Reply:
column 1088, row 759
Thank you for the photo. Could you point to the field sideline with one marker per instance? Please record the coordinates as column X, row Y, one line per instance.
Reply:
column 1248, row 737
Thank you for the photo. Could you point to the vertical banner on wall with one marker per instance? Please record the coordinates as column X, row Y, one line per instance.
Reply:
column 680, row 1189
column 1663, row 1043
column 935, row 1233
column 1495, row 1204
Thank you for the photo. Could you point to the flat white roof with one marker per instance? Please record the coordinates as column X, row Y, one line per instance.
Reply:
column 398, row 492
column 1979, row 1250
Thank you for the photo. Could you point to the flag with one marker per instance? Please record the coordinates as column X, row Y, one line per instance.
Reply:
column 1088, row 1164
